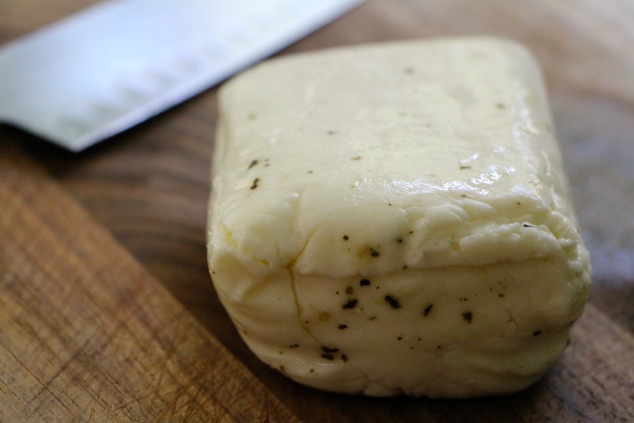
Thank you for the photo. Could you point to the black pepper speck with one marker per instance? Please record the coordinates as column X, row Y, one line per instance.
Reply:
column 393, row 302
column 350, row 304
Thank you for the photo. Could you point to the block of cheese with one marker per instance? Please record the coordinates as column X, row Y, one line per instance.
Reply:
column 394, row 219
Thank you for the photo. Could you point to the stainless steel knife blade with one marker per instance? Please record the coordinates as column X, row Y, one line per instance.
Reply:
column 120, row 62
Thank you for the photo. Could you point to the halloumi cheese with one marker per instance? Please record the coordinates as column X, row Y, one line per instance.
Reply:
column 395, row 219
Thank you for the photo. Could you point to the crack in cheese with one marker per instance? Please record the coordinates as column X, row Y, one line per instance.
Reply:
column 395, row 218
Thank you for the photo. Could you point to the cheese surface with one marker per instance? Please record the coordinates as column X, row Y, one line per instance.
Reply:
column 394, row 218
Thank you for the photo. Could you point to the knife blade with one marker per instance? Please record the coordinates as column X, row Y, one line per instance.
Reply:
column 115, row 64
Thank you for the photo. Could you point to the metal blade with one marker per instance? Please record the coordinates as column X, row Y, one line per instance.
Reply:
column 109, row 67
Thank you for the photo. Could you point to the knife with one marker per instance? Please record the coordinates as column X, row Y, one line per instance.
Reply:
column 120, row 62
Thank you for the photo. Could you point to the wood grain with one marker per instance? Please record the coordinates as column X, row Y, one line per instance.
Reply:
column 149, row 188
column 87, row 335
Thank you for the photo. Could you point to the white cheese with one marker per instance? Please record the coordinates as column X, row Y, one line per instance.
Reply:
column 394, row 218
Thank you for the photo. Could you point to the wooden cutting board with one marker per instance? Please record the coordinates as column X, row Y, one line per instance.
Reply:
column 107, row 312
column 87, row 333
